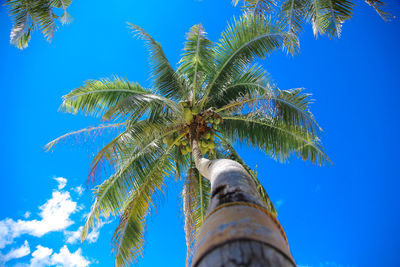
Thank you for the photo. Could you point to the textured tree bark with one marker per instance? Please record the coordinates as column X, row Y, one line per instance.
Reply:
column 239, row 231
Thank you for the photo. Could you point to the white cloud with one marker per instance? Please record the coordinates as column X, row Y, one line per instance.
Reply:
column 62, row 182
column 73, row 237
column 54, row 215
column 44, row 257
column 41, row 256
column 78, row 189
column 27, row 215
column 66, row 258
column 17, row 253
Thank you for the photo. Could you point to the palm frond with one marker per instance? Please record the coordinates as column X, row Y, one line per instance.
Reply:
column 292, row 14
column 96, row 97
column 195, row 196
column 259, row 7
column 291, row 107
column 379, row 5
column 197, row 59
column 328, row 16
column 87, row 133
column 248, row 38
column 251, row 82
column 167, row 82
column 273, row 137
column 139, row 133
column 128, row 237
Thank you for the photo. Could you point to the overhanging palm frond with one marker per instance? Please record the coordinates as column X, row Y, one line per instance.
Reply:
column 167, row 82
column 249, row 37
column 259, row 7
column 273, row 137
column 379, row 5
column 328, row 16
column 197, row 59
column 292, row 14
column 28, row 14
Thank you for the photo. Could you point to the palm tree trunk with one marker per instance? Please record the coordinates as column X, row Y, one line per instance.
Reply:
column 238, row 231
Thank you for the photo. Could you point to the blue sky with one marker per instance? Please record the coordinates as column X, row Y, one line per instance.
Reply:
column 345, row 214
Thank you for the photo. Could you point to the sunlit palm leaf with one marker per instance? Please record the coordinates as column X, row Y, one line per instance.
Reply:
column 165, row 79
column 197, row 59
column 249, row 37
column 273, row 137
column 260, row 7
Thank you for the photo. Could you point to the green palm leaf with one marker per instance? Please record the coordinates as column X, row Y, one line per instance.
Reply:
column 273, row 137
column 197, row 59
column 249, row 37
column 167, row 82
column 328, row 16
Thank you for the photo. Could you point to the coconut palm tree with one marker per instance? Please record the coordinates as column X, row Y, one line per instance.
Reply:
column 217, row 96
column 30, row 14
column 325, row 16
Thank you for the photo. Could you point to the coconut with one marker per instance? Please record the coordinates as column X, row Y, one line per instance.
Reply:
column 188, row 115
column 217, row 121
column 211, row 145
column 195, row 111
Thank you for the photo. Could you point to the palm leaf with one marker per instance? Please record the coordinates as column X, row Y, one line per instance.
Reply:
column 328, row 16
column 248, row 38
column 89, row 132
column 165, row 79
column 259, row 7
column 197, row 59
column 378, row 5
column 273, row 137
column 96, row 97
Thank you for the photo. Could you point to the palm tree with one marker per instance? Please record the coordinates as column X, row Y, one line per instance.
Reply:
column 325, row 16
column 218, row 96
column 30, row 14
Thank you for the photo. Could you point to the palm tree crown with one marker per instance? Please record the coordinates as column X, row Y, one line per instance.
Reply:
column 217, row 96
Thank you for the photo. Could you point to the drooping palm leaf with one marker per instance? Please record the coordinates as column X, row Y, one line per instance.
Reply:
column 248, row 38
column 29, row 14
column 379, row 5
column 274, row 137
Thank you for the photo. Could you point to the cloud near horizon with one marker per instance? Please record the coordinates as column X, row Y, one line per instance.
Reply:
column 54, row 216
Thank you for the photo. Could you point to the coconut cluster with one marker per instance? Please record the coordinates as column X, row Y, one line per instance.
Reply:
column 203, row 125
